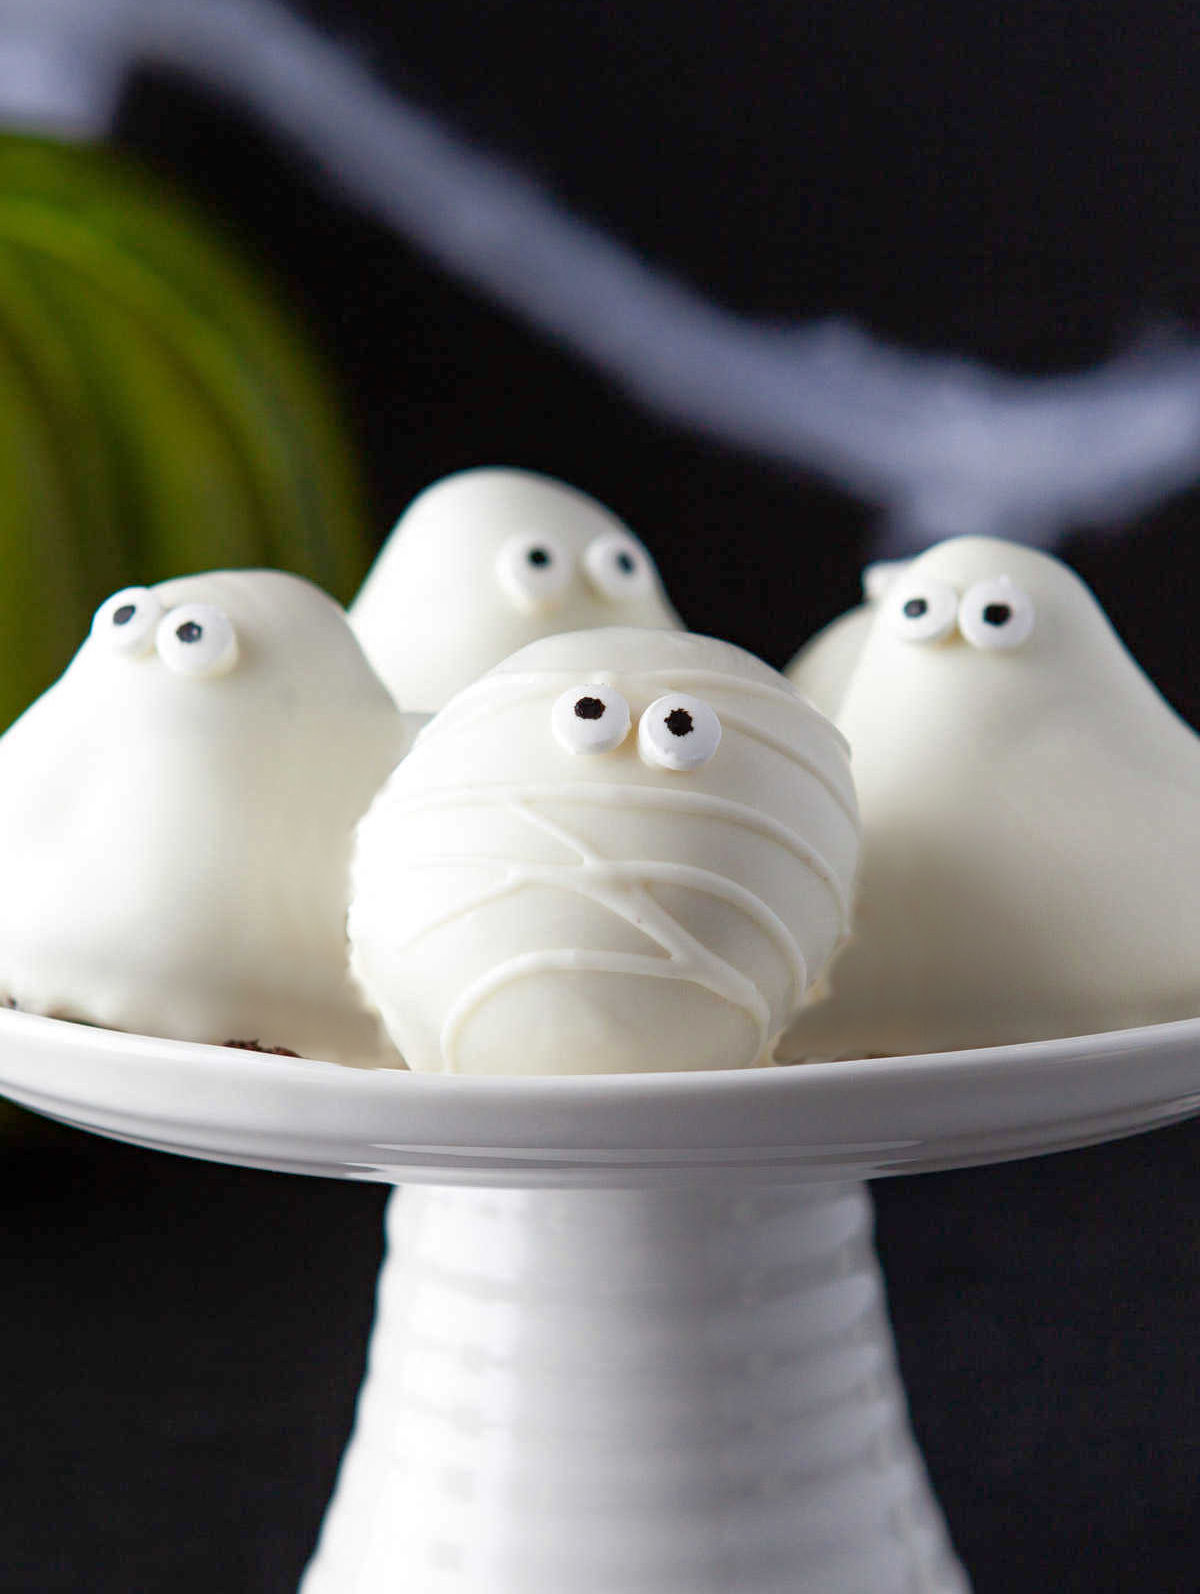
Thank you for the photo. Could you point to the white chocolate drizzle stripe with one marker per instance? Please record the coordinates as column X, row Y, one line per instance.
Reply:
column 689, row 675
column 473, row 704
column 634, row 903
column 522, row 807
column 686, row 958
column 530, row 963
column 512, row 691
column 757, row 733
column 633, row 798
column 578, row 878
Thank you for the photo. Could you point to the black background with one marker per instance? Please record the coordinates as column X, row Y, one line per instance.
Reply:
column 183, row 1342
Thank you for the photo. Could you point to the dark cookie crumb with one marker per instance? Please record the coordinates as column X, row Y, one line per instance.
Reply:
column 254, row 1046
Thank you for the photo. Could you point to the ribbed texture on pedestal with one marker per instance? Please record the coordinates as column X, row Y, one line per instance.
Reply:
column 632, row 1392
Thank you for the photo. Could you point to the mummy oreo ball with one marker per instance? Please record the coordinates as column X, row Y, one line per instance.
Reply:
column 620, row 850
column 176, row 816
column 488, row 560
column 1031, row 811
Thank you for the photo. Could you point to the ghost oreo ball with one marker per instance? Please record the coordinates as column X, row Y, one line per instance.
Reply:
column 1030, row 811
column 620, row 850
column 487, row 560
column 175, row 828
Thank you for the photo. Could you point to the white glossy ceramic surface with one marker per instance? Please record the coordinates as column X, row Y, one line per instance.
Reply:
column 826, row 1121
column 583, row 1377
column 632, row 1392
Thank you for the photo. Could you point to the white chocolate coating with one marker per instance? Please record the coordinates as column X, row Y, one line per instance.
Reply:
column 448, row 597
column 823, row 666
column 523, row 904
column 1031, row 815
column 175, row 822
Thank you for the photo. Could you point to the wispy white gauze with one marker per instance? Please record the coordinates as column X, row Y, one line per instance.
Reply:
column 941, row 445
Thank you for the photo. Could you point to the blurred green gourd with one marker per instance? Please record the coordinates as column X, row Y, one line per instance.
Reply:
column 160, row 411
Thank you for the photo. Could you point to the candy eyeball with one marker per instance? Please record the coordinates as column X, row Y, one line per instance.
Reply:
column 126, row 622
column 618, row 566
column 590, row 719
column 197, row 639
column 534, row 571
column 996, row 615
column 921, row 610
column 678, row 732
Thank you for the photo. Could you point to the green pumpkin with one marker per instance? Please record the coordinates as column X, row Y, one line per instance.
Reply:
column 160, row 413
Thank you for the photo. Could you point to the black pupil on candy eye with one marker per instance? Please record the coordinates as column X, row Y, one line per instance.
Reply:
column 679, row 722
column 625, row 563
column 189, row 631
column 538, row 557
column 997, row 614
column 915, row 608
column 124, row 614
column 589, row 708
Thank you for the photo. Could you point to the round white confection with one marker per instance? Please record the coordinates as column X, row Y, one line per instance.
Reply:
column 488, row 560
column 176, row 816
column 529, row 900
column 1031, row 808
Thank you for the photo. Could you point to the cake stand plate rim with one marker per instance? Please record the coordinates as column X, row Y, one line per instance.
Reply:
column 849, row 1119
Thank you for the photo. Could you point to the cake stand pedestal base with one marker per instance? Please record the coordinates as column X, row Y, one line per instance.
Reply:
column 622, row 1346
column 651, row 1391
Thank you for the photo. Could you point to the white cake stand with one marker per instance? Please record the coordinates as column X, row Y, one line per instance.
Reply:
column 631, row 1335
